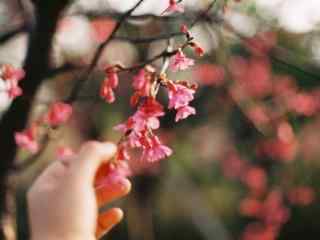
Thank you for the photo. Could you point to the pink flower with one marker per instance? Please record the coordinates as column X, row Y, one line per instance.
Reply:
column 250, row 207
column 133, row 137
column 146, row 117
column 180, row 62
column 184, row 28
column 109, row 83
column 142, row 86
column 112, row 79
column 58, row 113
column 154, row 150
column 199, row 51
column 140, row 80
column 113, row 173
column 173, row 7
column 26, row 140
column 184, row 112
column 122, row 154
column 303, row 103
column 259, row 231
column 179, row 96
column 256, row 180
column 210, row 74
column 274, row 211
column 151, row 108
column 233, row 166
column 12, row 76
column 11, row 73
column 106, row 92
column 301, row 195
column 141, row 122
column 138, row 122
column 13, row 89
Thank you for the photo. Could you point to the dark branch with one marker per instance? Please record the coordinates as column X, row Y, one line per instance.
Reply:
column 4, row 37
column 36, row 66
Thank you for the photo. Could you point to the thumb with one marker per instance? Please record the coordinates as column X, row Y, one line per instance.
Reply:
column 91, row 156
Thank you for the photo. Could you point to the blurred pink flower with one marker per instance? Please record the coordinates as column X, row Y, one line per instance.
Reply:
column 9, row 72
column 250, row 207
column 154, row 150
column 180, row 62
column 106, row 92
column 13, row 89
column 184, row 112
column 256, row 179
column 26, row 140
column 12, row 76
column 210, row 74
column 303, row 103
column 179, row 96
column 102, row 27
column 259, row 231
column 58, row 113
column 301, row 195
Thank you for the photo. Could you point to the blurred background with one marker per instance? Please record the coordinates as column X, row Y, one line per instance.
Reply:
column 246, row 166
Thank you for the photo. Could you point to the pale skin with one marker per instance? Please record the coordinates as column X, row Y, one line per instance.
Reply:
column 63, row 202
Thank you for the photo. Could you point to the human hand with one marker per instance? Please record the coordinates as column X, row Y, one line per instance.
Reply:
column 63, row 203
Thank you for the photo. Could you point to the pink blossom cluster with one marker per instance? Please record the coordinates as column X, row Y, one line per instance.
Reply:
column 12, row 77
column 57, row 114
column 139, row 130
column 268, row 101
column 268, row 206
column 109, row 84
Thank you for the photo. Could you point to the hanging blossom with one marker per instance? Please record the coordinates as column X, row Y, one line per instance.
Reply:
column 58, row 113
column 27, row 139
column 108, row 85
column 12, row 77
column 197, row 49
column 138, row 131
column 141, row 85
column 154, row 150
column 174, row 6
column 179, row 98
column 180, row 62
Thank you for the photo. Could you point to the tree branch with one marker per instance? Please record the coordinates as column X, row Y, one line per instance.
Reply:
column 81, row 81
column 4, row 37
column 36, row 66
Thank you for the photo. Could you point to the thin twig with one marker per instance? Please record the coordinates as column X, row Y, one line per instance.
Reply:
column 150, row 39
column 203, row 14
column 78, row 85
column 4, row 37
